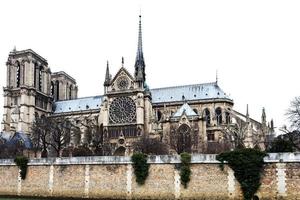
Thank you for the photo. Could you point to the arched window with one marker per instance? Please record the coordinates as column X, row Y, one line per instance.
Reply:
column 70, row 92
column 159, row 115
column 219, row 115
column 57, row 90
column 207, row 116
column 120, row 151
column 184, row 143
column 18, row 75
column 227, row 117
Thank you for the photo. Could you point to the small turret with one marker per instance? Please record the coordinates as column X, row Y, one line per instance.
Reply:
column 247, row 114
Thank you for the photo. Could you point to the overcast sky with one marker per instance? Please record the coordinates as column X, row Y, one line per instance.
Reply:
column 254, row 45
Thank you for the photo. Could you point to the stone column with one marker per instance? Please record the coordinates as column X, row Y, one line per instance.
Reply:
column 281, row 179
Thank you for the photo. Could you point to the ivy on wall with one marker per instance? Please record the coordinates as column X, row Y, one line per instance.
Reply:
column 141, row 167
column 185, row 171
column 21, row 162
column 247, row 165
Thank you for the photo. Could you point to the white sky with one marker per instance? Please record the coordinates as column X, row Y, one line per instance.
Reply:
column 254, row 45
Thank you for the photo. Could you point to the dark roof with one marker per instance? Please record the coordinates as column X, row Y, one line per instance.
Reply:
column 159, row 95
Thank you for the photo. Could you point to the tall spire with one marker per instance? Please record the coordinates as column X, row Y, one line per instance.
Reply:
column 107, row 76
column 263, row 116
column 139, row 66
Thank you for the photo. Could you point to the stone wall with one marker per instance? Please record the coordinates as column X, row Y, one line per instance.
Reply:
column 113, row 178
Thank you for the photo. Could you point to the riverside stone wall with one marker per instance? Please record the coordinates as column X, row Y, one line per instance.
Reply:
column 113, row 178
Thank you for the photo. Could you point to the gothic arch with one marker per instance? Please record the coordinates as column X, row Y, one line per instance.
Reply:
column 159, row 115
column 18, row 74
column 206, row 116
column 40, row 75
column 120, row 151
column 70, row 91
column 227, row 117
column 52, row 88
column 56, row 90
column 218, row 113
column 184, row 143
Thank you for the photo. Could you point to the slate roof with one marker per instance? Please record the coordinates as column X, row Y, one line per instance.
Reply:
column 187, row 92
column 80, row 104
column 185, row 108
column 159, row 95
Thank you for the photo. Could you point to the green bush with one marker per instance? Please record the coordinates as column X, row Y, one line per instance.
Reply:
column 141, row 167
column 185, row 171
column 247, row 165
column 21, row 162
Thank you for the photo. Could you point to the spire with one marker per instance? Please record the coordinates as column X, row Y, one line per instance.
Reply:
column 107, row 76
column 122, row 61
column 139, row 66
column 263, row 116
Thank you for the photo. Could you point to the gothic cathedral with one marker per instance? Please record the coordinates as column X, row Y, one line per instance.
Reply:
column 188, row 118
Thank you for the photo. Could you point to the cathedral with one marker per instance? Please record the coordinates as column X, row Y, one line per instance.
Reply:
column 190, row 118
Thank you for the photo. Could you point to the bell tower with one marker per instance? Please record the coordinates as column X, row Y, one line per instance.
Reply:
column 27, row 91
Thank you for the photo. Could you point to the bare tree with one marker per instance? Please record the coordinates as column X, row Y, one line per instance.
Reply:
column 51, row 132
column 39, row 137
column 291, row 136
column 293, row 113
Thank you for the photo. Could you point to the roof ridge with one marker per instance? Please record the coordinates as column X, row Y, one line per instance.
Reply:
column 79, row 98
column 199, row 84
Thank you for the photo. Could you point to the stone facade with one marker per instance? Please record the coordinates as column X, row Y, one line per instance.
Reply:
column 113, row 178
column 188, row 118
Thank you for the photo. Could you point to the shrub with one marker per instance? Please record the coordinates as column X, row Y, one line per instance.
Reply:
column 141, row 167
column 21, row 162
column 185, row 171
column 247, row 165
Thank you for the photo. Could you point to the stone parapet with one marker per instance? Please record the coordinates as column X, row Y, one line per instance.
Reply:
column 112, row 177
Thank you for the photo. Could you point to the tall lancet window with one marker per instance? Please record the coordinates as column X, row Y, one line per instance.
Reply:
column 219, row 115
column 18, row 74
column 70, row 92
column 207, row 116
column 57, row 90
column 52, row 88
column 40, row 78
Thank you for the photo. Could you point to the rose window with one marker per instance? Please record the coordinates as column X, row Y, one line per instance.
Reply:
column 122, row 110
